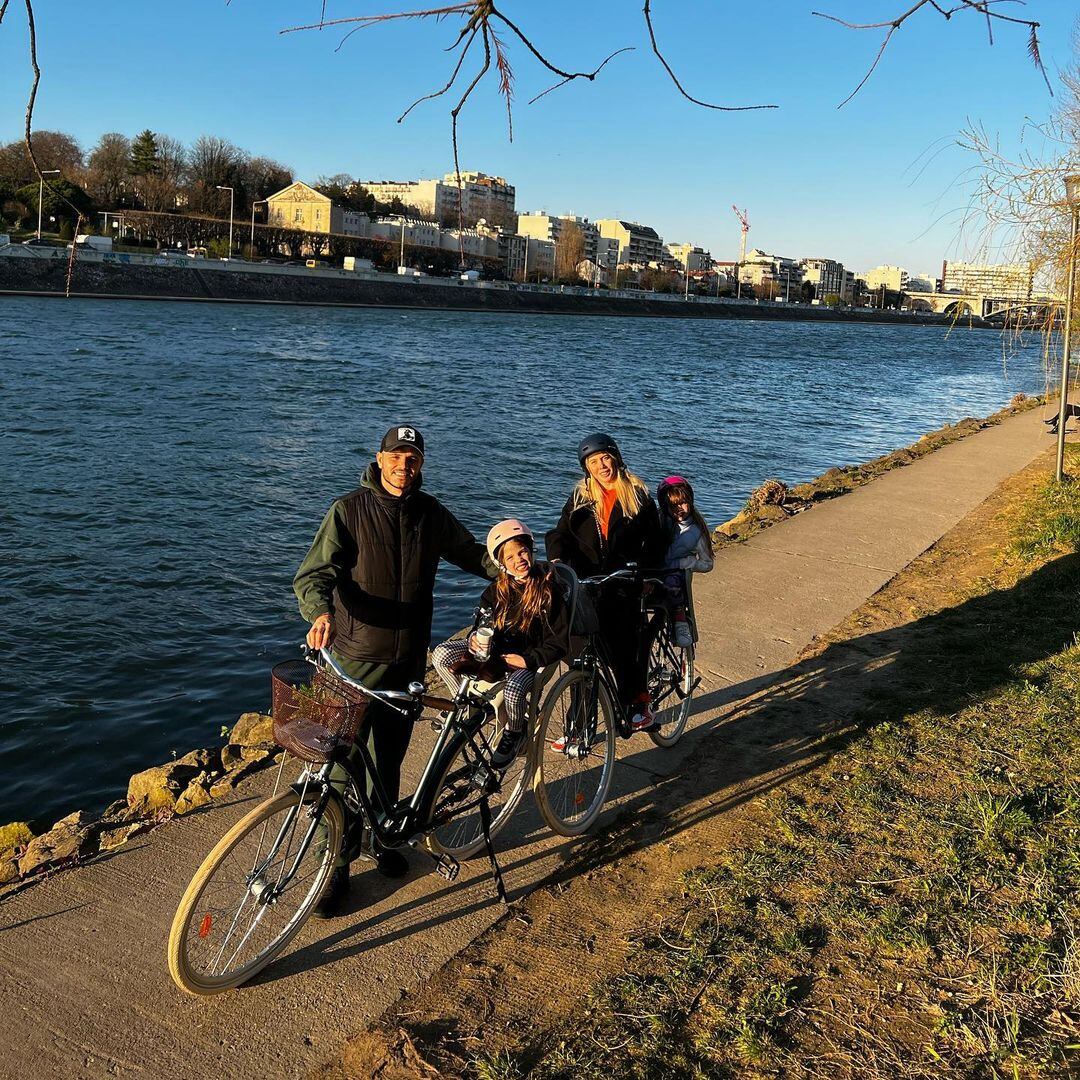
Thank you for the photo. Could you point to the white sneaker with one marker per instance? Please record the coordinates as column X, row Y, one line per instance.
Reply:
column 684, row 636
column 643, row 720
column 560, row 744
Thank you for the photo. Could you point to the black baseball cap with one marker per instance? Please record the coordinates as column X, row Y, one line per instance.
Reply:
column 400, row 436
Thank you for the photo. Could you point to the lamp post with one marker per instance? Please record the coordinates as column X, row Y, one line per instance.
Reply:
column 1072, row 197
column 253, row 205
column 232, row 196
column 41, row 194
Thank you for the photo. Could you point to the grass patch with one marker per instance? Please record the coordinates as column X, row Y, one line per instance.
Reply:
column 913, row 909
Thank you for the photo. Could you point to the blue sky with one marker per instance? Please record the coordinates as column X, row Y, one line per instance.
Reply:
column 817, row 181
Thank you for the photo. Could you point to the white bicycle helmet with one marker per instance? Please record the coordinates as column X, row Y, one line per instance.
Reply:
column 510, row 529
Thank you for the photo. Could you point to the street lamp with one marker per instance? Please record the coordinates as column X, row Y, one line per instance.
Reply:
column 232, row 196
column 253, row 205
column 1072, row 197
column 41, row 194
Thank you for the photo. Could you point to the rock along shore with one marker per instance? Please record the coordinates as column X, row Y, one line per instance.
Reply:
column 177, row 787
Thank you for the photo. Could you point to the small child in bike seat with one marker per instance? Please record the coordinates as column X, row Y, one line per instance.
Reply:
column 525, row 609
column 689, row 549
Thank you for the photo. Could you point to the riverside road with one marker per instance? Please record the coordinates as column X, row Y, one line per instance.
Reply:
column 86, row 992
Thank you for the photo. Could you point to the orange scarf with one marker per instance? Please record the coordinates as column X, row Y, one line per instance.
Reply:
column 607, row 504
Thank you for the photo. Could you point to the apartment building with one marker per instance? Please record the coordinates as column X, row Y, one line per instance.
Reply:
column 1002, row 282
column 768, row 272
column 482, row 197
column 638, row 244
column 688, row 257
column 893, row 278
column 826, row 275
column 541, row 225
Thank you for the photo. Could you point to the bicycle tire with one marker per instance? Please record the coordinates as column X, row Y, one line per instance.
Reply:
column 670, row 680
column 571, row 802
column 185, row 971
column 462, row 836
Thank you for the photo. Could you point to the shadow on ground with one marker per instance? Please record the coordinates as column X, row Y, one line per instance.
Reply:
column 767, row 731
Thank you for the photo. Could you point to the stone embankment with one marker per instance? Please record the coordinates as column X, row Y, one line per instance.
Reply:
column 153, row 796
column 44, row 272
column 774, row 501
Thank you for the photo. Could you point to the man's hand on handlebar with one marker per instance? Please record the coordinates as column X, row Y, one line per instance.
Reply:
column 321, row 634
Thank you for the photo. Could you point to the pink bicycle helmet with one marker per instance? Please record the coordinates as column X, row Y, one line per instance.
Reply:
column 510, row 529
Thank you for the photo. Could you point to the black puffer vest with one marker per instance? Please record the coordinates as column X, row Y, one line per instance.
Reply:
column 383, row 599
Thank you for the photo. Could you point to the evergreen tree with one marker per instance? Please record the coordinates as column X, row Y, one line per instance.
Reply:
column 144, row 154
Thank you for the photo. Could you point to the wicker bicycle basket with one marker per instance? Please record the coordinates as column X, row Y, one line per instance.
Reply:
column 313, row 710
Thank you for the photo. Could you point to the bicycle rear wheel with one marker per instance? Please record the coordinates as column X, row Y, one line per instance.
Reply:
column 575, row 752
column 232, row 921
column 671, row 686
column 456, row 807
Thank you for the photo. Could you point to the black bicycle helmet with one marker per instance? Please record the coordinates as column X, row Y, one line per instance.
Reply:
column 598, row 443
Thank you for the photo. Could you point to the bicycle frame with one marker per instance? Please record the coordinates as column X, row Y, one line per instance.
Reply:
column 390, row 824
column 595, row 655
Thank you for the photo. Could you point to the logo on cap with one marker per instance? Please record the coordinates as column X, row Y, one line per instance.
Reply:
column 407, row 434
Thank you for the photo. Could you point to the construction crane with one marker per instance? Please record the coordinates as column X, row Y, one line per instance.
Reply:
column 744, row 221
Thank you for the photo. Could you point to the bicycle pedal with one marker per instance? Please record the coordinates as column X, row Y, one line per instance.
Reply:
column 446, row 866
column 482, row 778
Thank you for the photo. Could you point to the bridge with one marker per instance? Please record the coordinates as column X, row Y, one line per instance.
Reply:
column 960, row 304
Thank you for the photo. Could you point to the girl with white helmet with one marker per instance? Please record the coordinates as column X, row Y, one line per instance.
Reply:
column 525, row 608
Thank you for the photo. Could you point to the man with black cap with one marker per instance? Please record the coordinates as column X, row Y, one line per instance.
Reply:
column 366, row 586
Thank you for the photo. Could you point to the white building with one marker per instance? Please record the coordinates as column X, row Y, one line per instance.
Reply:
column 541, row 225
column 893, row 278
column 1001, row 282
column 639, row 244
column 481, row 196
column 688, row 257
column 771, row 273
column 826, row 275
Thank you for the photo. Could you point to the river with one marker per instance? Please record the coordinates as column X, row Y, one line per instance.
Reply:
column 163, row 467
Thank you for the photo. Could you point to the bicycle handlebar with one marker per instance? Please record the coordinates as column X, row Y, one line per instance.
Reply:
column 413, row 696
column 627, row 574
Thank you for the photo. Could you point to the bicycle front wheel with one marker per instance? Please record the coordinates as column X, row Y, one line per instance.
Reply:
column 252, row 893
column 575, row 752
column 459, row 830
column 671, row 686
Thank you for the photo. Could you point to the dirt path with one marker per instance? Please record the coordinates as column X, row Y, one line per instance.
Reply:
column 86, row 993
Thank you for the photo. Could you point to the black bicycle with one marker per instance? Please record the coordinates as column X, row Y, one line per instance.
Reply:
column 258, row 885
column 575, row 745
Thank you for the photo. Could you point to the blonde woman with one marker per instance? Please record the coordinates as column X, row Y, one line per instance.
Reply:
column 526, row 610
column 610, row 520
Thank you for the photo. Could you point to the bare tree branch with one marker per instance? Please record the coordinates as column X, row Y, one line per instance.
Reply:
column 983, row 7
column 28, row 138
column 453, row 78
column 592, row 75
column 679, row 85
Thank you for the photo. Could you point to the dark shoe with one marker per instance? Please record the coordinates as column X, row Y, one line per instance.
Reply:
column 391, row 863
column 509, row 746
column 332, row 901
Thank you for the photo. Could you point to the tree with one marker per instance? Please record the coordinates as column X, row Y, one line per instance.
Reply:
column 259, row 178
column 107, row 170
column 144, row 155
column 807, row 291
column 212, row 162
column 55, row 203
column 54, row 150
column 569, row 252
column 160, row 191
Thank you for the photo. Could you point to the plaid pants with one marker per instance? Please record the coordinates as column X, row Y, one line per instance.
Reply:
column 517, row 687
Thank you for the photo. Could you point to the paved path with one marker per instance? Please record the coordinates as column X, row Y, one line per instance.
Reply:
column 85, row 991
